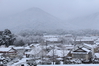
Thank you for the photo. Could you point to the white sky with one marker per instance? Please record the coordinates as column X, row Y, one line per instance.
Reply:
column 63, row 9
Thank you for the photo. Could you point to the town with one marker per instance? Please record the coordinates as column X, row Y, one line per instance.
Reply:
column 48, row 49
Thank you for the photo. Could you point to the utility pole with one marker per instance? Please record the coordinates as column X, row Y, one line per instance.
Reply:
column 53, row 54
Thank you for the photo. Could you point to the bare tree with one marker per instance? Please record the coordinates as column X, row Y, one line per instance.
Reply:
column 63, row 52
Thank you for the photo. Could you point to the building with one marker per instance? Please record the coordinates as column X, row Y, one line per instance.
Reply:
column 88, row 40
column 81, row 53
column 8, row 52
column 52, row 39
column 94, row 48
column 58, row 53
column 20, row 50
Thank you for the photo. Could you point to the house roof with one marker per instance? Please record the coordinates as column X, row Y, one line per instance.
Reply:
column 27, row 47
column 50, row 36
column 85, row 49
column 18, row 47
column 58, row 53
column 34, row 51
column 68, row 46
column 89, row 45
column 80, row 51
column 52, row 39
column 86, row 38
column 5, row 49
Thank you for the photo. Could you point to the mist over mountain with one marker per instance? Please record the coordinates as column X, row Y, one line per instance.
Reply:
column 33, row 19
column 86, row 22
column 38, row 20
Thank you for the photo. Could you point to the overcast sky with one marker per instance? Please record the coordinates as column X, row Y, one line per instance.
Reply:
column 64, row 9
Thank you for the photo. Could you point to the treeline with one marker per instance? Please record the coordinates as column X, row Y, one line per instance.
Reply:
column 32, row 36
column 83, row 32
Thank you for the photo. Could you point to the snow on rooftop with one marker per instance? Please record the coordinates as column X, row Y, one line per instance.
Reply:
column 84, row 39
column 5, row 49
column 86, row 49
column 37, row 45
column 34, row 50
column 18, row 47
column 68, row 46
column 52, row 39
column 58, row 53
column 50, row 36
column 93, row 38
column 27, row 47
column 89, row 45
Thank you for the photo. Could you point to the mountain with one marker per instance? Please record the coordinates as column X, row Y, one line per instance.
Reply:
column 33, row 18
column 37, row 19
column 86, row 22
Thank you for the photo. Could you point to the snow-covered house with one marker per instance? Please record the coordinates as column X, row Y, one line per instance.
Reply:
column 52, row 39
column 51, row 36
column 8, row 52
column 88, row 40
column 58, row 53
column 20, row 50
column 36, row 52
column 81, row 53
column 94, row 48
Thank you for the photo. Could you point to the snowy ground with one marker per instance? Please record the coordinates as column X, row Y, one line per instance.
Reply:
column 73, row 65
column 23, row 61
column 67, row 65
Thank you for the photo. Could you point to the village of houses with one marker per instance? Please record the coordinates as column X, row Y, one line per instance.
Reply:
column 52, row 51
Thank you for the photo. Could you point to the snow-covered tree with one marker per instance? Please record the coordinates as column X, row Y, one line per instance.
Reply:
column 7, row 38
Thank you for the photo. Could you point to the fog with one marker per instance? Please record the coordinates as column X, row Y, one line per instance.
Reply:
column 78, row 14
column 63, row 9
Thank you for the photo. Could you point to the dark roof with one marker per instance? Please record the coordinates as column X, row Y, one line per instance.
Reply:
column 79, row 50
